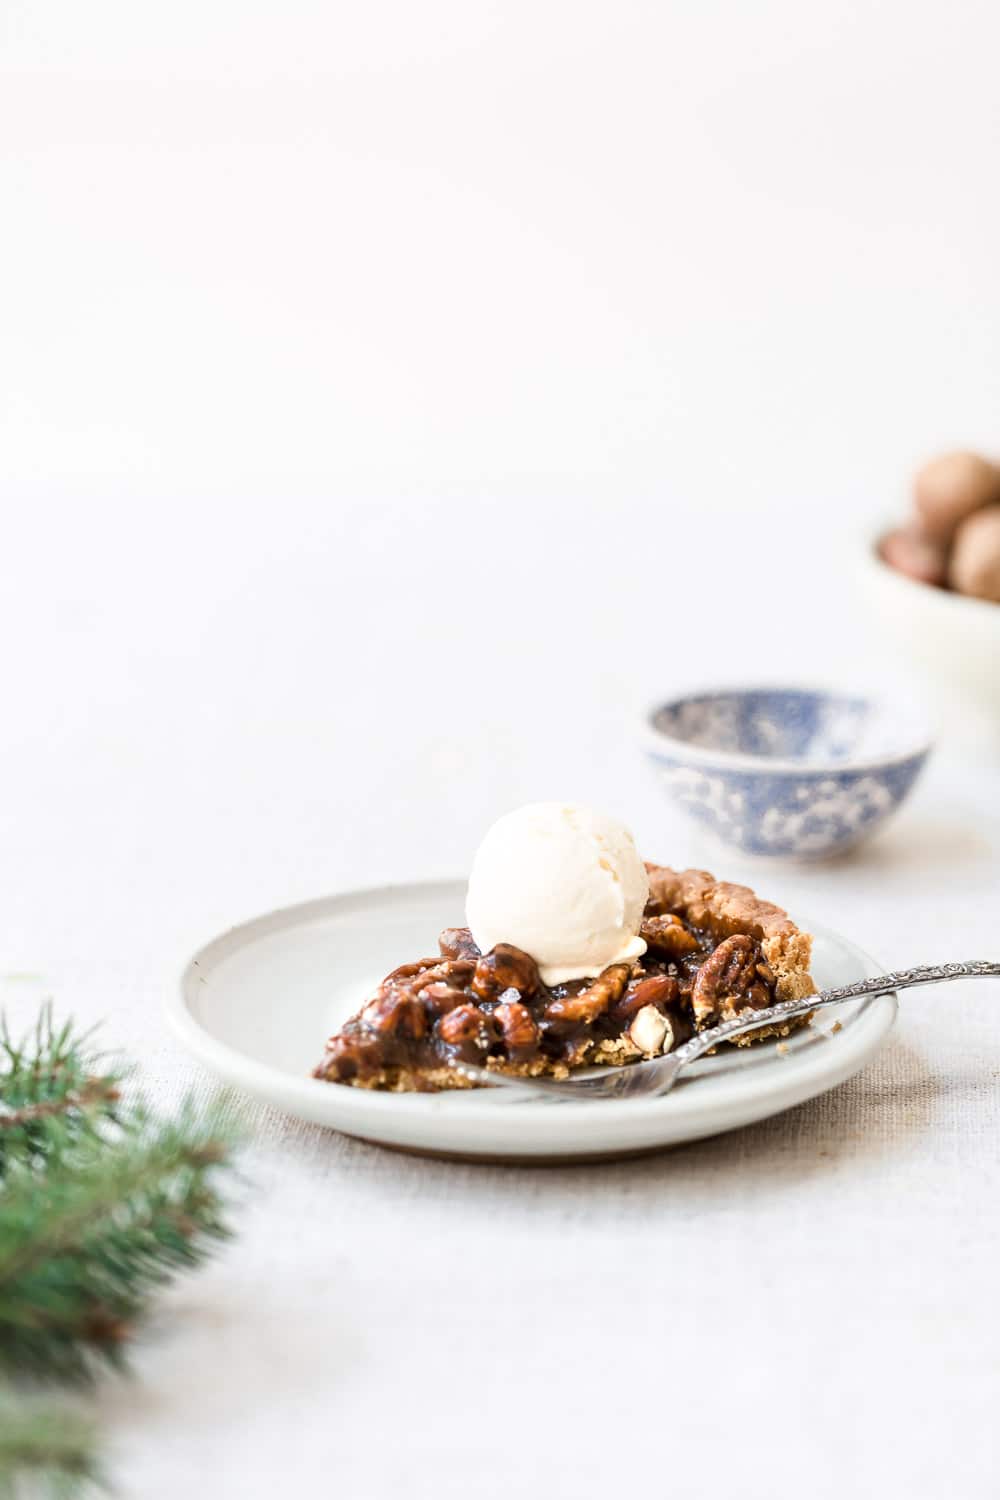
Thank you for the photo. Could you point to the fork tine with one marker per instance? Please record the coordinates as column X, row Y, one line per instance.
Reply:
column 612, row 1083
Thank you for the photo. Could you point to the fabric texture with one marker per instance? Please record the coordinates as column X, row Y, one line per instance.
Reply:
column 768, row 1312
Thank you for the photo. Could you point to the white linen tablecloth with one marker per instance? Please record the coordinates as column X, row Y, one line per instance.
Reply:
column 805, row 1306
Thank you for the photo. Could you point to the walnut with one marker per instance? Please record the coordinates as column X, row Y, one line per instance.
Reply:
column 594, row 1000
column 975, row 561
column 668, row 934
column 910, row 551
column 951, row 487
column 728, row 981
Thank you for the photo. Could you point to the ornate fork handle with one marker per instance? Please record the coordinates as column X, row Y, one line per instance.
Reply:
column 659, row 1074
column 904, row 979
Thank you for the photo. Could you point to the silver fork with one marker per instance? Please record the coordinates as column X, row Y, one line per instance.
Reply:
column 659, row 1074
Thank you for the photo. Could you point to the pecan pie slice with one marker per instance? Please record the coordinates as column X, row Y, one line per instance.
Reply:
column 713, row 951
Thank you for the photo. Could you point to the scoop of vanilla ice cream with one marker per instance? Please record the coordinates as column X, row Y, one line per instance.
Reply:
column 564, row 883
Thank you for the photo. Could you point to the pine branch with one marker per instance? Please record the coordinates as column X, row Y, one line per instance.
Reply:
column 50, row 1448
column 54, row 1092
column 100, row 1204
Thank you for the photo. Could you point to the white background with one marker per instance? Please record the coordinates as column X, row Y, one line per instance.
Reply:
column 394, row 398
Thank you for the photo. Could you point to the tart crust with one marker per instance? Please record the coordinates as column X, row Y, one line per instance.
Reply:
column 725, row 909
column 712, row 910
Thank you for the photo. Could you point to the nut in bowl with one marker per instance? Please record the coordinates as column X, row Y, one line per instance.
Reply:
column 788, row 773
column 933, row 587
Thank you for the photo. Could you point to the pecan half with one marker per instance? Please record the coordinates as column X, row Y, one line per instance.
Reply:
column 458, row 942
column 727, row 981
column 409, row 971
column 668, row 934
column 505, row 968
column 594, row 1000
column 656, row 989
column 454, row 971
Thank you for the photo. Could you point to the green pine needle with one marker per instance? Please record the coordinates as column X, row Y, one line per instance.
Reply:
column 50, row 1449
column 100, row 1205
column 54, row 1092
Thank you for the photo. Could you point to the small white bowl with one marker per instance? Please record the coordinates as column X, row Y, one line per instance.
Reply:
column 950, row 644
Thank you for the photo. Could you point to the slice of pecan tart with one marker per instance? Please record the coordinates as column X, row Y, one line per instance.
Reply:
column 713, row 951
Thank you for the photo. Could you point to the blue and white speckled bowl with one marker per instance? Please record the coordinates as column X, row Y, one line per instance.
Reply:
column 791, row 773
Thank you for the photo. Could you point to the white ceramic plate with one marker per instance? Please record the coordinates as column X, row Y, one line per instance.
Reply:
column 257, row 1004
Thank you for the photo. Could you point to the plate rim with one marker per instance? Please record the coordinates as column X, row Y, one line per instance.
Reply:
column 486, row 1129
